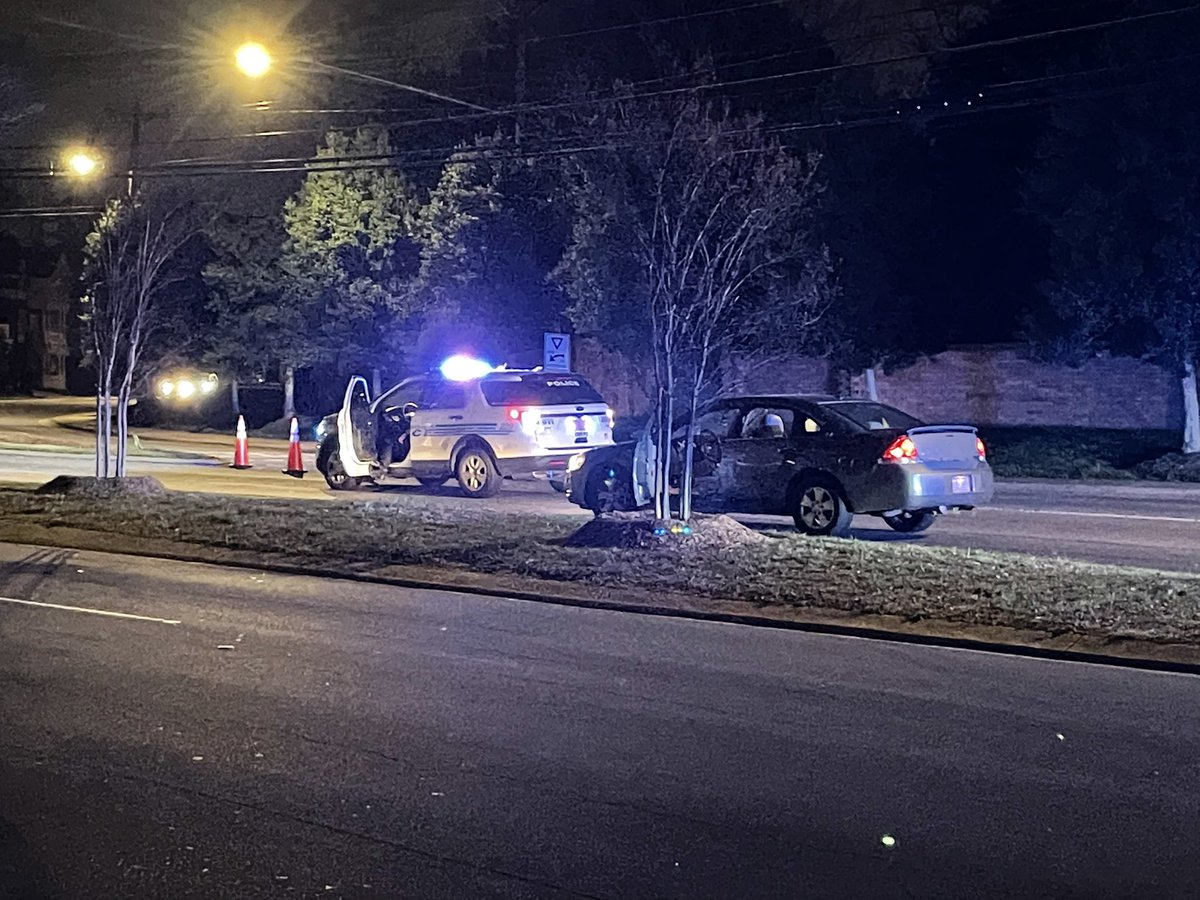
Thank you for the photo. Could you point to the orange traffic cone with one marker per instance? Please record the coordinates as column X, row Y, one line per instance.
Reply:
column 295, row 464
column 241, row 448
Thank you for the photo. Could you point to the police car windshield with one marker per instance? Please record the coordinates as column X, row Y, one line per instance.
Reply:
column 539, row 390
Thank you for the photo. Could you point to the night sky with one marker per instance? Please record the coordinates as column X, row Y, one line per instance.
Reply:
column 954, row 239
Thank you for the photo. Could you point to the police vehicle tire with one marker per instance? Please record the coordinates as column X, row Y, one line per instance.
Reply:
column 329, row 464
column 819, row 509
column 559, row 486
column 911, row 521
column 476, row 472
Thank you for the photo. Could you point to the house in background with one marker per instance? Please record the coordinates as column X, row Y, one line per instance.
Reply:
column 35, row 305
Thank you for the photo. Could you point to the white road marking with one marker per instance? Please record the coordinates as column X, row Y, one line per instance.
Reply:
column 92, row 612
column 1089, row 515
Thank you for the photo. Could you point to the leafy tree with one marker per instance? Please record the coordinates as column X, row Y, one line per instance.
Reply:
column 1117, row 187
column 698, row 236
column 891, row 43
column 257, row 319
column 350, row 250
column 490, row 234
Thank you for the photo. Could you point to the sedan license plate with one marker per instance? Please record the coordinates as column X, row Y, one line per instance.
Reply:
column 960, row 484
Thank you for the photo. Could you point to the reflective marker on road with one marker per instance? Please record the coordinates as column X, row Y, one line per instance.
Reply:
column 91, row 612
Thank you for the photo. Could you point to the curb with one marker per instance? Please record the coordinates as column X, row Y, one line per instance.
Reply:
column 1144, row 655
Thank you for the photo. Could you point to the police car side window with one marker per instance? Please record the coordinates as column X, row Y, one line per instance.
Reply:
column 446, row 396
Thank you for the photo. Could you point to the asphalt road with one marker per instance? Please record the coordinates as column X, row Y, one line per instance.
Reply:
column 1140, row 524
column 360, row 741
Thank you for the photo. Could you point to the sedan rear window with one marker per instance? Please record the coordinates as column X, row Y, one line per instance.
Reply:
column 539, row 390
column 873, row 416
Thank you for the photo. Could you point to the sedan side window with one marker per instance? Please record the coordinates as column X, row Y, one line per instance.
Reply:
column 764, row 423
column 720, row 422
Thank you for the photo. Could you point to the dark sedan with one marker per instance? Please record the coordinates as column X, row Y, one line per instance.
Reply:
column 816, row 459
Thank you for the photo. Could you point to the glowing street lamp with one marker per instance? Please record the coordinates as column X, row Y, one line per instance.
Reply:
column 82, row 163
column 253, row 59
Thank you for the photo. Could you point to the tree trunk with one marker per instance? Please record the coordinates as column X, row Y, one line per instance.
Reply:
column 235, row 398
column 1191, row 409
column 872, row 387
column 123, row 428
column 289, row 392
column 662, row 504
column 101, row 440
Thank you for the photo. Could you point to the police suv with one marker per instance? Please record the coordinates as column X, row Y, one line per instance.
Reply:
column 468, row 422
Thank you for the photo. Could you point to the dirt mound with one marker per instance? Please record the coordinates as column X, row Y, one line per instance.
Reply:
column 104, row 488
column 1172, row 467
column 640, row 531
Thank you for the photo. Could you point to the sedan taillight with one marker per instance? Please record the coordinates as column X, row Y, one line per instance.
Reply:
column 980, row 449
column 901, row 450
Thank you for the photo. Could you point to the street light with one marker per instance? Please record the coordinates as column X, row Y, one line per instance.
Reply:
column 82, row 163
column 253, row 59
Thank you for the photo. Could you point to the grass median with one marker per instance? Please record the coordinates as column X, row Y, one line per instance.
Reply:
column 776, row 574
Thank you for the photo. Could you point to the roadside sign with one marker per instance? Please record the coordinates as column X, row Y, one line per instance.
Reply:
column 556, row 352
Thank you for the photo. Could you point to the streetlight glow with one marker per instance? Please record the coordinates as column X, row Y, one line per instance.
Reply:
column 253, row 59
column 82, row 163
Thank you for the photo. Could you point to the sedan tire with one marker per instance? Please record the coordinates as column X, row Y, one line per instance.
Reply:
column 610, row 490
column 911, row 521
column 819, row 509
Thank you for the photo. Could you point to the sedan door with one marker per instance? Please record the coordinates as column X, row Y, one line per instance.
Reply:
column 753, row 465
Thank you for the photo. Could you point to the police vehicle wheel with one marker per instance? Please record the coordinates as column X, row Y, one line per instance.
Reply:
column 476, row 473
column 330, row 465
column 912, row 521
column 819, row 509
column 559, row 486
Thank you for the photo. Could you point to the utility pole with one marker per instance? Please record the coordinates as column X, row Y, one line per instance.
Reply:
column 135, row 148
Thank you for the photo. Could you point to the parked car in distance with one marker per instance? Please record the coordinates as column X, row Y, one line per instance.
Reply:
column 819, row 460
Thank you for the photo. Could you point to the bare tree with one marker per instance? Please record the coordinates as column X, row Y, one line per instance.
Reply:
column 128, row 268
column 702, row 231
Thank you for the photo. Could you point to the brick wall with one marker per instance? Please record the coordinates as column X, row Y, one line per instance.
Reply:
column 998, row 386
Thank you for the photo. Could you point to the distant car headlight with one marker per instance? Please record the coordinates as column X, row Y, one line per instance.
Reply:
column 209, row 384
column 185, row 390
column 166, row 388
column 320, row 430
column 575, row 463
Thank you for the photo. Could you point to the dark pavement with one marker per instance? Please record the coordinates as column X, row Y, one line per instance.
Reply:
column 361, row 741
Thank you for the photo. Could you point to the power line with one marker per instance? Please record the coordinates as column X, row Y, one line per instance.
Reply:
column 535, row 107
column 413, row 158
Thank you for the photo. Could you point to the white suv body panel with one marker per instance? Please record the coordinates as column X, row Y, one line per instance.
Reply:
column 524, row 439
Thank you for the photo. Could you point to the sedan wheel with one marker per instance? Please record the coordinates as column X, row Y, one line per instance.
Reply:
column 821, row 511
column 911, row 521
column 477, row 474
column 610, row 490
